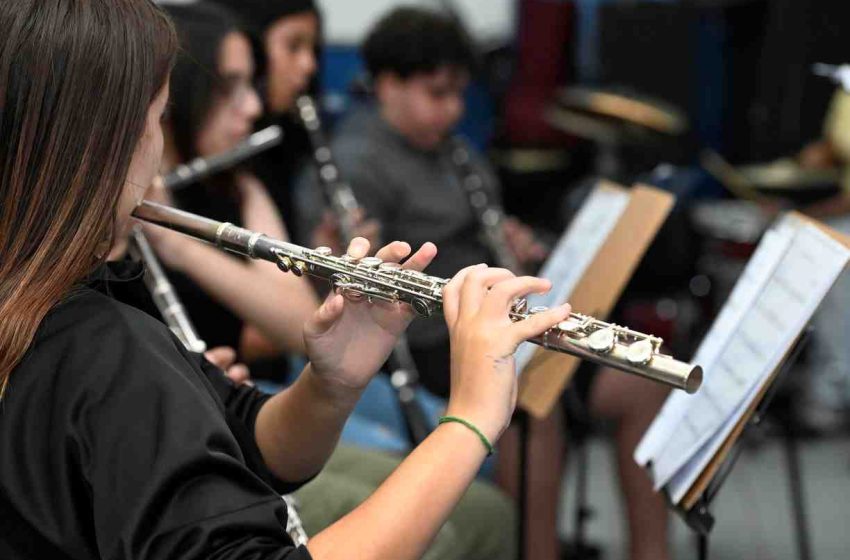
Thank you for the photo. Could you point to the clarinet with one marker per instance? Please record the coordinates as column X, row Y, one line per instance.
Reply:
column 337, row 193
column 370, row 279
column 175, row 316
column 164, row 295
column 489, row 214
column 341, row 200
column 294, row 526
column 201, row 168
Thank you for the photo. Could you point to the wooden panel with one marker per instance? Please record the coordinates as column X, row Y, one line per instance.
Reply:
column 596, row 294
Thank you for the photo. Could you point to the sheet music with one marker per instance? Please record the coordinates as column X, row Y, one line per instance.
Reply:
column 575, row 251
column 752, row 351
column 822, row 259
column 756, row 274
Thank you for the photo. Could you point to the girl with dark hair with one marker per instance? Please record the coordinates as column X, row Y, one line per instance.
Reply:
column 288, row 36
column 213, row 107
column 211, row 83
column 116, row 442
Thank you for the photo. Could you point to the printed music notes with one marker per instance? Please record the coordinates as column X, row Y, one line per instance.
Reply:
column 795, row 265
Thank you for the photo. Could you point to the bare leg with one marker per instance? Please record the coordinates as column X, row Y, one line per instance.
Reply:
column 632, row 402
column 545, row 468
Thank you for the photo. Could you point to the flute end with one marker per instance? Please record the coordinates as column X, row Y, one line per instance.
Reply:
column 694, row 380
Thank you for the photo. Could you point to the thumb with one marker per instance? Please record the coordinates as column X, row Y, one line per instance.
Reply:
column 326, row 315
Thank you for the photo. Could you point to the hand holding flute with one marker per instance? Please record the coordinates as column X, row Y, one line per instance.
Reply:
column 374, row 280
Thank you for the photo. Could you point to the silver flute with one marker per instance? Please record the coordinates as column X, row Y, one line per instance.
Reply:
column 371, row 280
column 201, row 168
column 175, row 316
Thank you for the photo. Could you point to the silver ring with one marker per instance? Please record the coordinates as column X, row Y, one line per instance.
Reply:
column 252, row 243
column 220, row 232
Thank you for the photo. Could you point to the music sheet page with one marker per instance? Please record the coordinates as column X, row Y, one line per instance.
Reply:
column 748, row 343
column 751, row 282
column 575, row 251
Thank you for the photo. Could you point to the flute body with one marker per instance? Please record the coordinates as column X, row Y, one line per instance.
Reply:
column 373, row 280
column 201, row 168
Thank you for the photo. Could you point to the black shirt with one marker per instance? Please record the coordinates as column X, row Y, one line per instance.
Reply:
column 115, row 442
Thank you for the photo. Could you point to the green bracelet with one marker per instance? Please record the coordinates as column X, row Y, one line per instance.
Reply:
column 471, row 426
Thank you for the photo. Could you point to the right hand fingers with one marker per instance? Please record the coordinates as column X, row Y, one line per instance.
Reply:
column 476, row 286
column 451, row 293
column 503, row 295
column 538, row 323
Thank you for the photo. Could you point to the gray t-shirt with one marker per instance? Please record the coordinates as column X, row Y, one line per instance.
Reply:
column 416, row 195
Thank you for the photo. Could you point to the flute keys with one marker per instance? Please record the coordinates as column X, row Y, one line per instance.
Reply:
column 299, row 269
column 640, row 353
column 324, row 251
column 371, row 262
column 520, row 305
column 602, row 341
column 284, row 263
column 389, row 266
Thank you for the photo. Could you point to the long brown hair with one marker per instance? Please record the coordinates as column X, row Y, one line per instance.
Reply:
column 77, row 78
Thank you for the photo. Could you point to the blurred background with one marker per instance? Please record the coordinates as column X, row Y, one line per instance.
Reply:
column 736, row 107
column 734, row 80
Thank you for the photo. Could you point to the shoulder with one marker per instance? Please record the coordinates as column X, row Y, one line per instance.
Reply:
column 92, row 340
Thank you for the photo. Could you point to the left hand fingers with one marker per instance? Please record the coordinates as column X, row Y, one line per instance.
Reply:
column 358, row 248
column 327, row 314
column 421, row 258
column 394, row 252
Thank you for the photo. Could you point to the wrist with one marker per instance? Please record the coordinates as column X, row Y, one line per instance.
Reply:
column 470, row 440
column 491, row 430
column 485, row 441
column 329, row 390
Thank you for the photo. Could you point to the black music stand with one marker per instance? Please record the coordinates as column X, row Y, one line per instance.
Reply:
column 700, row 519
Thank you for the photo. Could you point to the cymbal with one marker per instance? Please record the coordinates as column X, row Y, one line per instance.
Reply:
column 783, row 177
column 786, row 174
column 606, row 115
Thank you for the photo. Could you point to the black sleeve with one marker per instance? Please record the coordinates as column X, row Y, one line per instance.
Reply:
column 167, row 477
column 242, row 405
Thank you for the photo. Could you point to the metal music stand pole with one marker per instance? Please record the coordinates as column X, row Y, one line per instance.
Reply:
column 700, row 519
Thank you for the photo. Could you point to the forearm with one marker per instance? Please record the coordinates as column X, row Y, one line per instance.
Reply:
column 277, row 304
column 298, row 429
column 401, row 518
